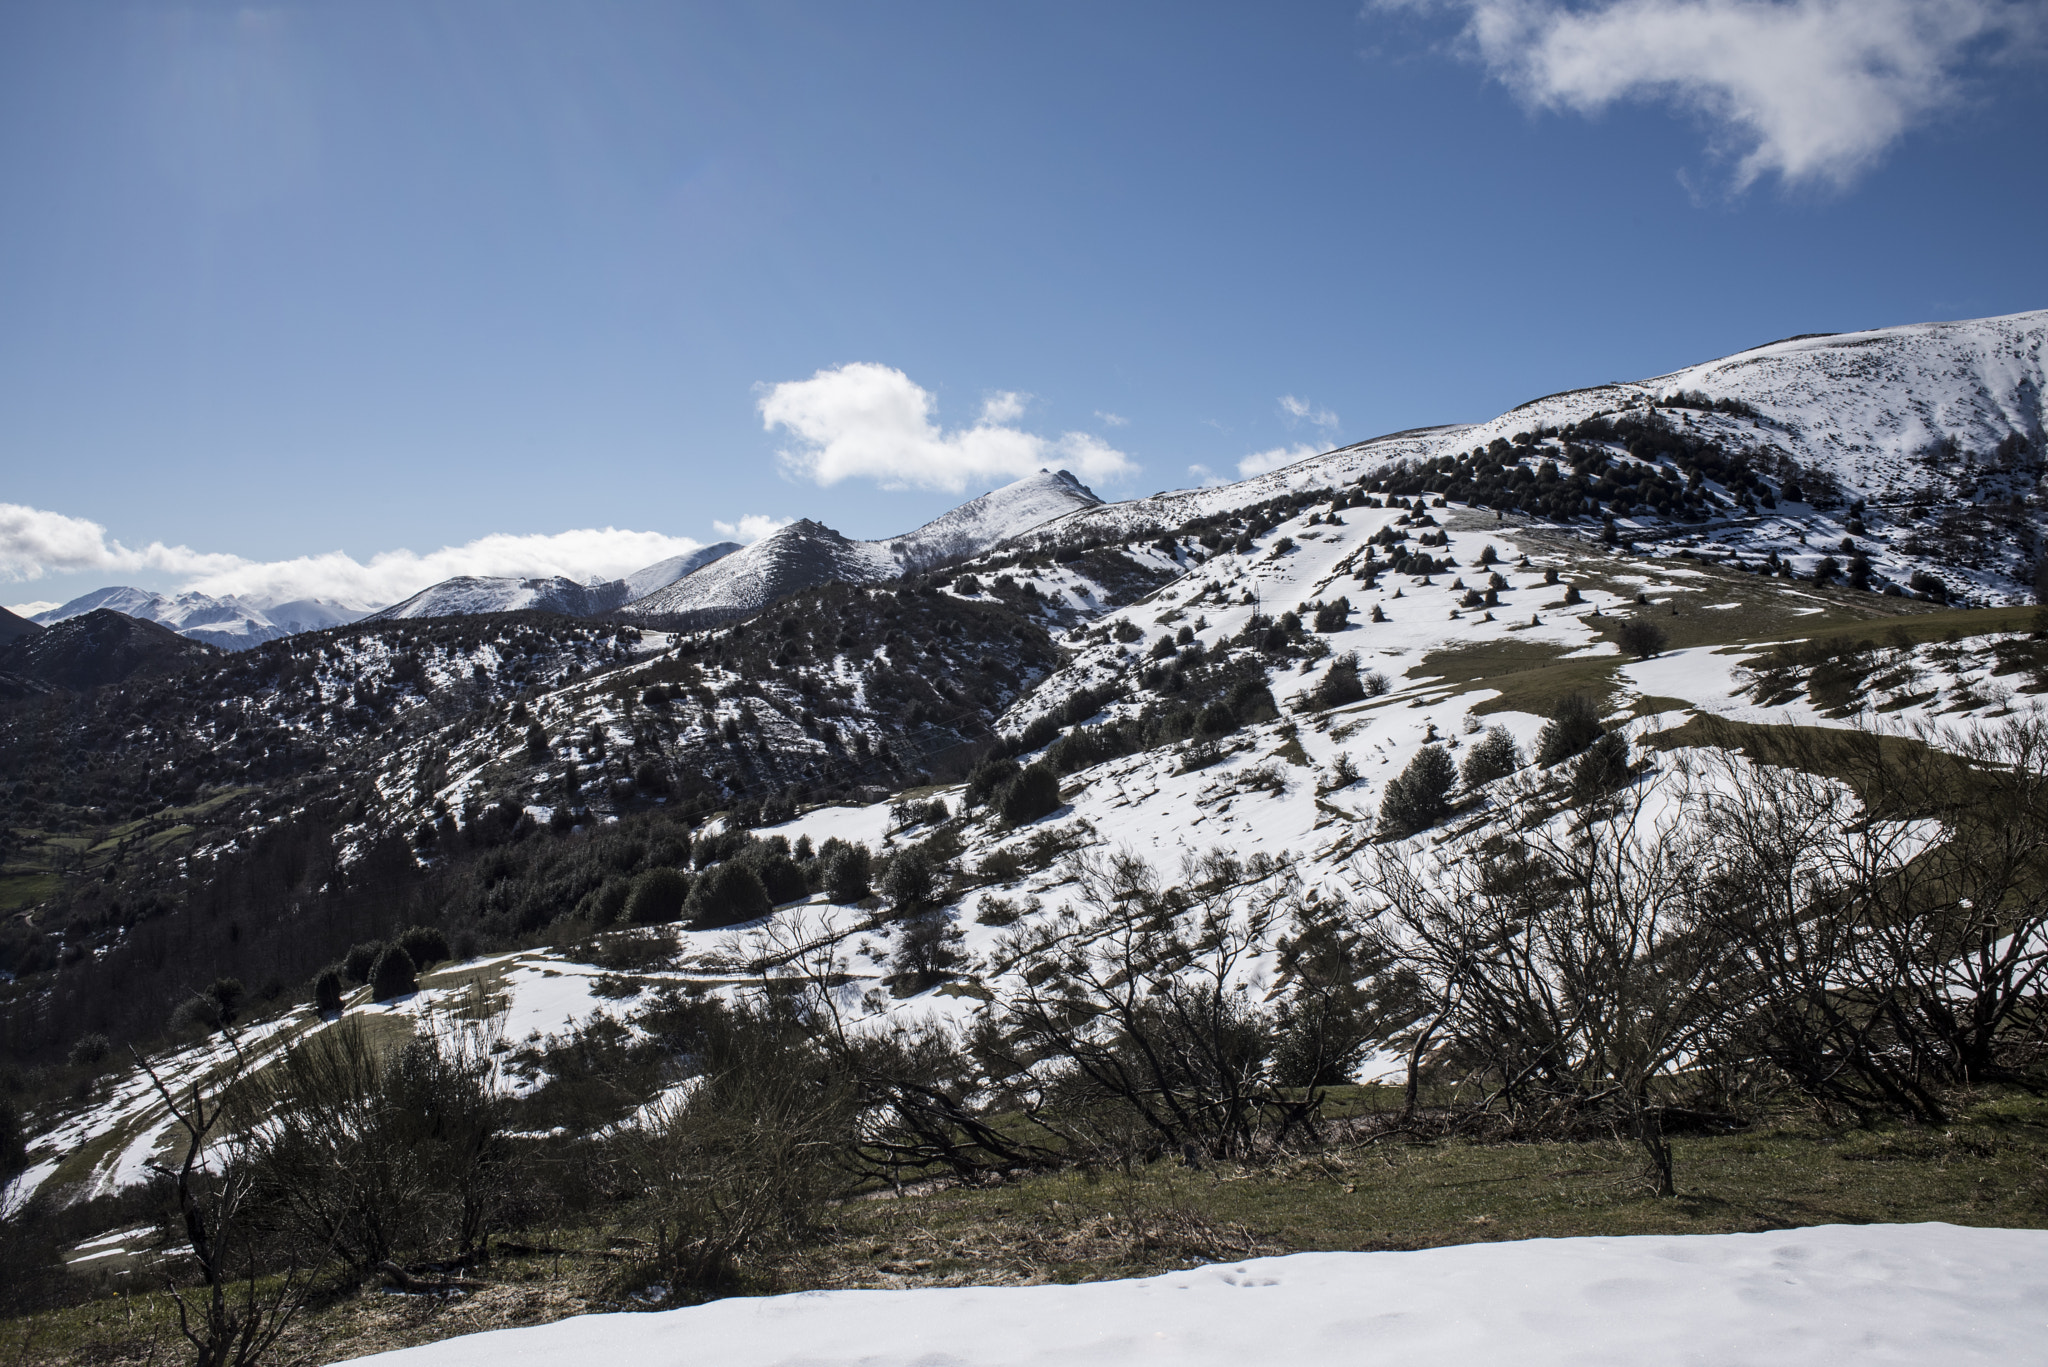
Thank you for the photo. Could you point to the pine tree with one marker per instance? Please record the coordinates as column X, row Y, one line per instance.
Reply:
column 1574, row 724
column 1420, row 796
column 393, row 975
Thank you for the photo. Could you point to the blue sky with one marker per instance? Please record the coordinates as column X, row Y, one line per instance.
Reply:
column 291, row 281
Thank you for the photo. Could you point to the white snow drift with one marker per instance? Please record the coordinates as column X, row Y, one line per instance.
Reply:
column 1870, row 1294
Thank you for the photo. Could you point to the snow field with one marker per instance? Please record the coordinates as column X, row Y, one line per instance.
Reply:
column 1868, row 1294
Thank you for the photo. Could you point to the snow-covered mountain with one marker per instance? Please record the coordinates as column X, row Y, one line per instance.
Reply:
column 807, row 553
column 1929, row 438
column 798, row 556
column 662, row 573
column 469, row 595
column 981, row 523
column 231, row 623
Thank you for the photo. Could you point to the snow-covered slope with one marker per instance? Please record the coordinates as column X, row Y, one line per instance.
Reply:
column 982, row 523
column 662, row 573
column 1941, row 427
column 1873, row 1294
column 803, row 554
column 230, row 623
column 808, row 553
column 467, row 595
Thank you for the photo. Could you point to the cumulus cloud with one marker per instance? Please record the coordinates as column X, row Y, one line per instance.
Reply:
column 1209, row 478
column 35, row 542
column 1265, row 462
column 31, row 609
column 1301, row 410
column 750, row 528
column 1813, row 90
column 1005, row 405
column 868, row 421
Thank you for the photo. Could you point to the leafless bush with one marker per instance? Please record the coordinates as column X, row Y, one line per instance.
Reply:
column 1562, row 975
column 739, row 1164
column 375, row 1153
column 1133, row 1023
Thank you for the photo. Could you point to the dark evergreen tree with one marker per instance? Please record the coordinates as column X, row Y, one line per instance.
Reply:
column 847, row 871
column 657, row 896
column 327, row 991
column 912, row 881
column 393, row 975
column 425, row 946
column 1574, row 724
column 1031, row 795
column 1420, row 796
column 356, row 965
column 1493, row 756
column 725, row 895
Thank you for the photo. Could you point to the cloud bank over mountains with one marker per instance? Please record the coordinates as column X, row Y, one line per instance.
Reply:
column 1813, row 91
column 869, row 421
column 35, row 542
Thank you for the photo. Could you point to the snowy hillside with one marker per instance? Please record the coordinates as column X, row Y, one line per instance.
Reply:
column 230, row 623
column 472, row 595
column 798, row 556
column 1928, row 438
column 983, row 523
column 662, row 573
column 1256, row 735
column 468, row 595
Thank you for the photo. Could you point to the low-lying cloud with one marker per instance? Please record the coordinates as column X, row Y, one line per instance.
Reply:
column 868, row 421
column 35, row 542
column 1265, row 462
column 1811, row 90
column 750, row 528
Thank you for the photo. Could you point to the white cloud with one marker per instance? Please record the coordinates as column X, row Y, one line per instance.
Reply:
column 1814, row 90
column 1209, row 478
column 31, row 609
column 1265, row 462
column 34, row 542
column 870, row 421
column 1112, row 419
column 1005, row 405
column 750, row 528
column 1301, row 410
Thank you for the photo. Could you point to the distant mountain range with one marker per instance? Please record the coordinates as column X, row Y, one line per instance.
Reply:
column 805, row 554
column 708, row 585
column 230, row 623
column 1899, row 420
column 469, row 595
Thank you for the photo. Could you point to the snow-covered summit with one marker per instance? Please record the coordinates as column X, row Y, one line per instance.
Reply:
column 470, row 594
column 232, row 623
column 1937, row 425
column 795, row 557
column 662, row 573
column 981, row 523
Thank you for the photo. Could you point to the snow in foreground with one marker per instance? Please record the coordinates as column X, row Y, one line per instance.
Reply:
column 1868, row 1294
